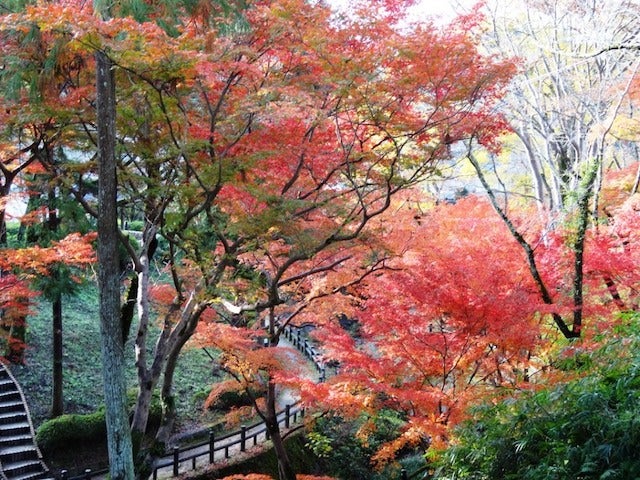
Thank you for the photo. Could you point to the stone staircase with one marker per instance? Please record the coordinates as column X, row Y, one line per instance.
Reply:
column 20, row 458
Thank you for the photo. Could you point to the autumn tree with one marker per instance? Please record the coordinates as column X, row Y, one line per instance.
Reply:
column 392, row 127
column 39, row 95
column 450, row 319
column 571, row 85
column 119, row 441
column 567, row 429
column 263, row 215
column 37, row 92
column 23, row 270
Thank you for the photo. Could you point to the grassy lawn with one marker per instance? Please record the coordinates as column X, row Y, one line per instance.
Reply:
column 82, row 364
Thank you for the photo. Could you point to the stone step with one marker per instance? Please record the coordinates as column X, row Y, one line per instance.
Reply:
column 23, row 467
column 44, row 475
column 20, row 453
column 18, row 428
column 13, row 417
column 15, row 440
column 7, row 385
column 11, row 406
column 10, row 396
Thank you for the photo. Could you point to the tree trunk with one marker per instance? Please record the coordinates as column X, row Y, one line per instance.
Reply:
column 57, row 397
column 3, row 227
column 528, row 249
column 537, row 175
column 146, row 382
column 579, row 247
column 191, row 315
column 118, row 432
column 17, row 330
column 285, row 469
column 166, row 354
column 148, row 457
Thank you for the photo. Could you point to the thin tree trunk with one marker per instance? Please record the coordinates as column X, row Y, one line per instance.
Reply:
column 636, row 182
column 578, row 249
column 57, row 400
column 285, row 469
column 17, row 333
column 57, row 396
column 539, row 182
column 166, row 354
column 5, row 189
column 167, row 421
column 613, row 291
column 118, row 432
column 146, row 383
column 3, row 227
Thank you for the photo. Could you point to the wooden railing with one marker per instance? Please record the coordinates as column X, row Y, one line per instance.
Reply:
column 218, row 448
column 214, row 448
column 304, row 346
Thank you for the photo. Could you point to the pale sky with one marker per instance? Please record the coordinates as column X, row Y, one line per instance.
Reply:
column 440, row 10
column 445, row 9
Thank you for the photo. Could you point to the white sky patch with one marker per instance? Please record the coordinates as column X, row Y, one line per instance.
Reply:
column 436, row 10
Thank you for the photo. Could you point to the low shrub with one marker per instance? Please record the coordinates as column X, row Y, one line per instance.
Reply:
column 72, row 430
column 68, row 431
column 226, row 396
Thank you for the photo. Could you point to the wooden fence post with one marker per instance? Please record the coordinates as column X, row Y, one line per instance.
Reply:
column 403, row 474
column 64, row 474
column 287, row 412
column 87, row 474
column 243, row 438
column 176, row 461
column 212, row 450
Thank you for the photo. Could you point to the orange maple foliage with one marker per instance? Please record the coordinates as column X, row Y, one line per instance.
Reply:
column 73, row 250
column 20, row 266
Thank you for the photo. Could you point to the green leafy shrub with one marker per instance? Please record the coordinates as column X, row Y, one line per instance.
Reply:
column 135, row 225
column 71, row 430
column 68, row 431
column 587, row 428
